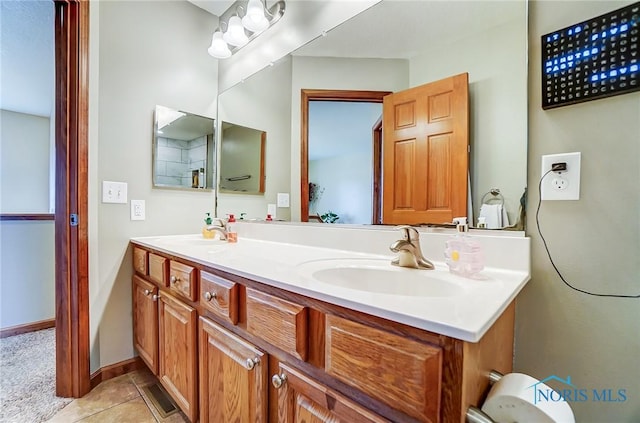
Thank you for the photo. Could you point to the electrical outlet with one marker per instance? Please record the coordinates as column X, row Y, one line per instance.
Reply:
column 559, row 183
column 137, row 210
column 114, row 192
column 564, row 184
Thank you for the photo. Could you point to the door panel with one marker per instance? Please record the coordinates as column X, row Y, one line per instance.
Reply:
column 178, row 351
column 425, row 152
column 145, row 322
column 230, row 389
column 304, row 400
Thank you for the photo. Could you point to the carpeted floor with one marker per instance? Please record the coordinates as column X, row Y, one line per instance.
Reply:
column 27, row 378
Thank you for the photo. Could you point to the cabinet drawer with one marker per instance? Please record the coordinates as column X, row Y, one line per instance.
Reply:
column 158, row 269
column 400, row 372
column 219, row 296
column 183, row 280
column 140, row 261
column 279, row 322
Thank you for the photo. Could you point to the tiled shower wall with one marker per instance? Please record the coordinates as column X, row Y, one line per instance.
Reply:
column 176, row 159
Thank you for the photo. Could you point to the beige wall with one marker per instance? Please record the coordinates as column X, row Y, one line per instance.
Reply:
column 496, row 61
column 26, row 291
column 594, row 241
column 142, row 54
column 24, row 163
column 262, row 102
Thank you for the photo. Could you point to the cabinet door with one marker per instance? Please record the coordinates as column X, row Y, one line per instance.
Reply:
column 233, row 377
column 178, row 353
column 403, row 373
column 145, row 322
column 303, row 400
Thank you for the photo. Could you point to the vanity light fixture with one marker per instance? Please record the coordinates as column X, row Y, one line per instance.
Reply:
column 235, row 32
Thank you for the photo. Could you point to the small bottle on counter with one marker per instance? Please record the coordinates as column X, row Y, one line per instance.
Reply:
column 205, row 232
column 462, row 254
column 269, row 218
column 232, row 235
column 482, row 222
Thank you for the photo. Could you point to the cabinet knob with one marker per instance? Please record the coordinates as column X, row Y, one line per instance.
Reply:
column 252, row 362
column 210, row 296
column 174, row 279
column 155, row 297
column 147, row 292
column 278, row 380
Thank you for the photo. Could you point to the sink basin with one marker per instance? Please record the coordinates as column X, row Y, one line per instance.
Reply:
column 379, row 276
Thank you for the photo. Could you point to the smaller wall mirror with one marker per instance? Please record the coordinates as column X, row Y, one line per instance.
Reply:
column 242, row 159
column 183, row 150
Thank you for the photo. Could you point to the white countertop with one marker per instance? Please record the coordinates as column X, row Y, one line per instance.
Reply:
column 466, row 316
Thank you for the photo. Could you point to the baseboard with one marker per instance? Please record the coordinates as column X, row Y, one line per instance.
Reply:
column 26, row 328
column 115, row 370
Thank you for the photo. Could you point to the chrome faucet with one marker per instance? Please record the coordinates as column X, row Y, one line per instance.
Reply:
column 408, row 249
column 219, row 225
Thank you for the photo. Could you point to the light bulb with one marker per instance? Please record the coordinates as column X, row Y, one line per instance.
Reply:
column 235, row 34
column 254, row 20
column 219, row 48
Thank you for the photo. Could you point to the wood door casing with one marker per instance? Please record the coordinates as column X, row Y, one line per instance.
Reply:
column 177, row 349
column 323, row 95
column 426, row 152
column 230, row 391
column 145, row 322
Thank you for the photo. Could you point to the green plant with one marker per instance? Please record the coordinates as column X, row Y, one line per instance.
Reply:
column 329, row 217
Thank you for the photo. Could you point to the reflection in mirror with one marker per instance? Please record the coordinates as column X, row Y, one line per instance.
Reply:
column 242, row 159
column 183, row 150
column 426, row 41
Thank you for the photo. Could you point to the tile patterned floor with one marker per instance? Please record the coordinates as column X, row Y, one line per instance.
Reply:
column 119, row 400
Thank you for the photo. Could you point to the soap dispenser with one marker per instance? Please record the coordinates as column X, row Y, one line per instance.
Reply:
column 232, row 235
column 206, row 233
column 463, row 254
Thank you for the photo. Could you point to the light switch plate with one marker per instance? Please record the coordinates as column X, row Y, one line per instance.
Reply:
column 114, row 192
column 138, row 210
column 283, row 199
column 563, row 185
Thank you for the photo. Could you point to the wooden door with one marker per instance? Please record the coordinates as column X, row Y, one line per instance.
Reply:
column 233, row 377
column 178, row 351
column 303, row 400
column 145, row 322
column 425, row 152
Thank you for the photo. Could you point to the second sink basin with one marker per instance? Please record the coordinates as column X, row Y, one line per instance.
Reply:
column 379, row 276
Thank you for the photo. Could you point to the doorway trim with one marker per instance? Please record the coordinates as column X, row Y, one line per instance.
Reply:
column 71, row 30
column 323, row 95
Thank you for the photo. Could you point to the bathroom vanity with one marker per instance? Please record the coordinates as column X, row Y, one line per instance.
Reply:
column 268, row 329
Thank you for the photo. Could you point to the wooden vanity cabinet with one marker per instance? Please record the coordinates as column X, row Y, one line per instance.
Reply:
column 219, row 354
column 177, row 346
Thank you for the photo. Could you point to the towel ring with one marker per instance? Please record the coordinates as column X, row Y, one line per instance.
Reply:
column 495, row 195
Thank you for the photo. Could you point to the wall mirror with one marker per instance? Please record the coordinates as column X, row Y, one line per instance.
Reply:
column 397, row 45
column 183, row 150
column 242, row 159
